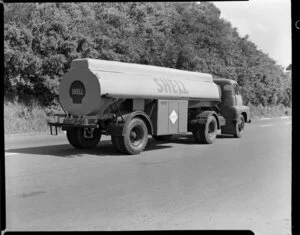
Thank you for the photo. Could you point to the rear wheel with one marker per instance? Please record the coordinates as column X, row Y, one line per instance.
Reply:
column 71, row 136
column 162, row 137
column 135, row 138
column 113, row 140
column 239, row 127
column 116, row 141
column 208, row 133
column 76, row 138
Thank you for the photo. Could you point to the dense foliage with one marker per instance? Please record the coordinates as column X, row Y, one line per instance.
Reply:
column 41, row 40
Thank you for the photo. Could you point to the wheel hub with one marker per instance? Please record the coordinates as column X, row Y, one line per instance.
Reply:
column 136, row 136
column 211, row 128
column 241, row 125
column 133, row 135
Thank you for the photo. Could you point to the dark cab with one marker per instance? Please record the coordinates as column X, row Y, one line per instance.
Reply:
column 232, row 107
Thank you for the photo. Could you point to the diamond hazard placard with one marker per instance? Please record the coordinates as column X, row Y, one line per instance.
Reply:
column 173, row 117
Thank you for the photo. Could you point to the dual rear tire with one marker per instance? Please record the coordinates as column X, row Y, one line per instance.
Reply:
column 76, row 138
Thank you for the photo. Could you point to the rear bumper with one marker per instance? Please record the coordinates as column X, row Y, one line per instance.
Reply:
column 64, row 123
column 66, row 126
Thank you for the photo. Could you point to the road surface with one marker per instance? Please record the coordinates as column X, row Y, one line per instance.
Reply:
column 232, row 184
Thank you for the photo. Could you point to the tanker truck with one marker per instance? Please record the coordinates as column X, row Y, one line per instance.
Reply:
column 129, row 102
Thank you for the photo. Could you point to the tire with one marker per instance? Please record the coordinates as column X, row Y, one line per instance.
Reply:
column 116, row 140
column 162, row 137
column 135, row 138
column 113, row 140
column 77, row 139
column 71, row 136
column 208, row 133
column 239, row 127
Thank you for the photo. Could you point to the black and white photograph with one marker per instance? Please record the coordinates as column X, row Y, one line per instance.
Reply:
column 148, row 116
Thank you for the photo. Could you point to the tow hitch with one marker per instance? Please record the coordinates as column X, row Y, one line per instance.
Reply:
column 88, row 133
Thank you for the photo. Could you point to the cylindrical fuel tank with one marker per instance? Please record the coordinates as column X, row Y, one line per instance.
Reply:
column 89, row 82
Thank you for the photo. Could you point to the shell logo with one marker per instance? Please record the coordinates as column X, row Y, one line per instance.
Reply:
column 77, row 92
column 170, row 86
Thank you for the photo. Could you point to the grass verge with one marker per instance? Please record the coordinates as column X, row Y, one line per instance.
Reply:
column 257, row 112
column 20, row 118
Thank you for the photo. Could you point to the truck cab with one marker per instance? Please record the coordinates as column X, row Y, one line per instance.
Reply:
column 232, row 107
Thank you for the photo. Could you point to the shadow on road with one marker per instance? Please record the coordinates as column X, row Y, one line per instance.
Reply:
column 189, row 139
column 183, row 139
column 105, row 148
column 224, row 136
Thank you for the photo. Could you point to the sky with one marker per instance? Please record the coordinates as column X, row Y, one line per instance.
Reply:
column 267, row 23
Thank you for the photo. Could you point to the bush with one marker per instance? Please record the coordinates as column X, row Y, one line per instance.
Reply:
column 268, row 111
column 41, row 40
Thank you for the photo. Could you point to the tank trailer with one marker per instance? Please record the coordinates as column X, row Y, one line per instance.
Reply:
column 129, row 102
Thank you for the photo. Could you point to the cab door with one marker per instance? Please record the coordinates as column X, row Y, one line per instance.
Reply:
column 228, row 100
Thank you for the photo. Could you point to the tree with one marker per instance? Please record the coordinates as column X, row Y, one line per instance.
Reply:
column 42, row 39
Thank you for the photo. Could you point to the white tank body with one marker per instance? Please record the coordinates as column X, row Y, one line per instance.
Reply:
column 84, row 89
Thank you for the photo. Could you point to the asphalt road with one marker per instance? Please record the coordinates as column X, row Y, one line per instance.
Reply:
column 232, row 184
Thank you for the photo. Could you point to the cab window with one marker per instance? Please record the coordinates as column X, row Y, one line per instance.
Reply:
column 237, row 90
column 220, row 90
column 239, row 100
